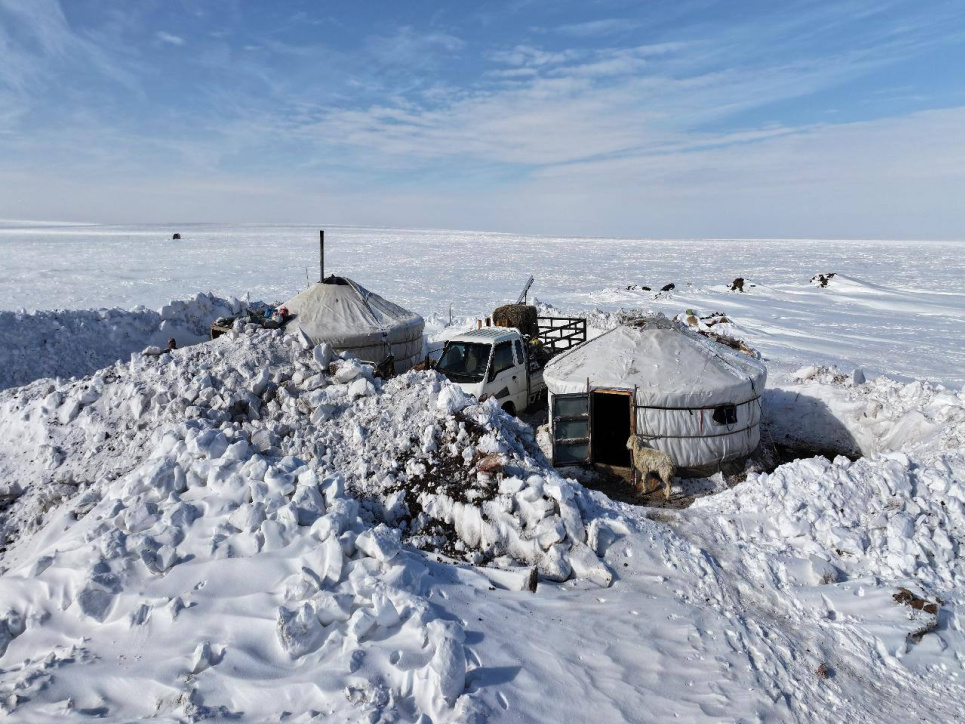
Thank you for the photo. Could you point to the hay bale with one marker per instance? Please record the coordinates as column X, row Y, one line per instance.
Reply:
column 521, row 316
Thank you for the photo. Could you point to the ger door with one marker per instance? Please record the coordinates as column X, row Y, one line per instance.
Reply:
column 570, row 417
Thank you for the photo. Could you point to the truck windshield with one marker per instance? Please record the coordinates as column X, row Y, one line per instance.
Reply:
column 464, row 361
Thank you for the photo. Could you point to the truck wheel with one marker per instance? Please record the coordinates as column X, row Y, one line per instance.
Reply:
column 510, row 409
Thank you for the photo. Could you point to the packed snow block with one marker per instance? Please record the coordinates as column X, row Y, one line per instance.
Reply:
column 68, row 411
column 553, row 564
column 348, row 370
column 302, row 585
column 139, row 616
column 248, row 516
column 139, row 516
column 210, row 444
column 41, row 565
column 549, row 531
column 385, row 612
column 381, row 542
column 360, row 387
column 569, row 511
column 512, row 579
column 452, row 399
column 603, row 533
column 166, row 558
column 361, row 624
column 322, row 355
column 274, row 535
column 326, row 560
column 588, row 567
column 448, row 663
column 332, row 607
column 202, row 659
column 299, row 631
column 10, row 490
column 11, row 626
column 139, row 405
column 260, row 383
column 237, row 451
column 264, row 440
column 322, row 414
column 308, row 503
column 823, row 572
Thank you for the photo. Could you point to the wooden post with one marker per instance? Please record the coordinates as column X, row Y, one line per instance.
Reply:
column 321, row 255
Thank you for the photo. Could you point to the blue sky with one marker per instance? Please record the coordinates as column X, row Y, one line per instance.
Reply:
column 681, row 119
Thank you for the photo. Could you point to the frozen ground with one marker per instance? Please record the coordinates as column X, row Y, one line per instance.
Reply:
column 901, row 301
column 247, row 529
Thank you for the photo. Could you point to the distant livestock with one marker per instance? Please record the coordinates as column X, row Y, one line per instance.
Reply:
column 653, row 467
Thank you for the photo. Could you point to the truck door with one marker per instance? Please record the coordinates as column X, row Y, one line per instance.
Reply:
column 506, row 378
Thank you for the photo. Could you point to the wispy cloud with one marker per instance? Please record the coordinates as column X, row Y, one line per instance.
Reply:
column 606, row 120
column 410, row 48
column 597, row 28
column 169, row 38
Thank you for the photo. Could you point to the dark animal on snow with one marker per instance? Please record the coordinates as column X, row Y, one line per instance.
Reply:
column 668, row 287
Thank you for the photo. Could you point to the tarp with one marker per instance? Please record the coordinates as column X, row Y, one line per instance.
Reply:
column 351, row 318
column 668, row 366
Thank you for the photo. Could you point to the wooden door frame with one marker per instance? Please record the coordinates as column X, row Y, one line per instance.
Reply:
column 632, row 394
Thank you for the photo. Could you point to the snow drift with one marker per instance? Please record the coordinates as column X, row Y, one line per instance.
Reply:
column 74, row 343
column 227, row 503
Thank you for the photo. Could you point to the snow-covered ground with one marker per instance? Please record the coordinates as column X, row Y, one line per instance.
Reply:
column 902, row 299
column 250, row 529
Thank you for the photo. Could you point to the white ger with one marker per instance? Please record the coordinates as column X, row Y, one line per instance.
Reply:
column 692, row 398
column 349, row 317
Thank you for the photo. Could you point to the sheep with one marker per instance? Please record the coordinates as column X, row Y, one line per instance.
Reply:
column 651, row 465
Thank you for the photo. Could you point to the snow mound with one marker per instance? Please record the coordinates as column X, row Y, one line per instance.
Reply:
column 238, row 512
column 893, row 516
column 68, row 343
column 825, row 409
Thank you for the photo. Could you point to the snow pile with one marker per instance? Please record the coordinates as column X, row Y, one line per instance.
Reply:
column 457, row 476
column 891, row 516
column 66, row 343
column 825, row 409
column 898, row 513
column 236, row 569
column 869, row 551
column 217, row 516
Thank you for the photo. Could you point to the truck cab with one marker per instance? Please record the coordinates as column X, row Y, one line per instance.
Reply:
column 492, row 362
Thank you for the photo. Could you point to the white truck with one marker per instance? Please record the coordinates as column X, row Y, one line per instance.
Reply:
column 503, row 363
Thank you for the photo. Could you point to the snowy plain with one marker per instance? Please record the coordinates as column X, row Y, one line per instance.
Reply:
column 904, row 300
column 166, row 557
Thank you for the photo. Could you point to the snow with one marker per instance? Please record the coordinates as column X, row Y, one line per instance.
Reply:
column 259, row 529
column 69, row 343
column 912, row 294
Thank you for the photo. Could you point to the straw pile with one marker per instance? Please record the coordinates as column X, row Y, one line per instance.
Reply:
column 521, row 316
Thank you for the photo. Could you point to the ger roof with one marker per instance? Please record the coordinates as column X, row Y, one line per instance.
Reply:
column 344, row 313
column 669, row 366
